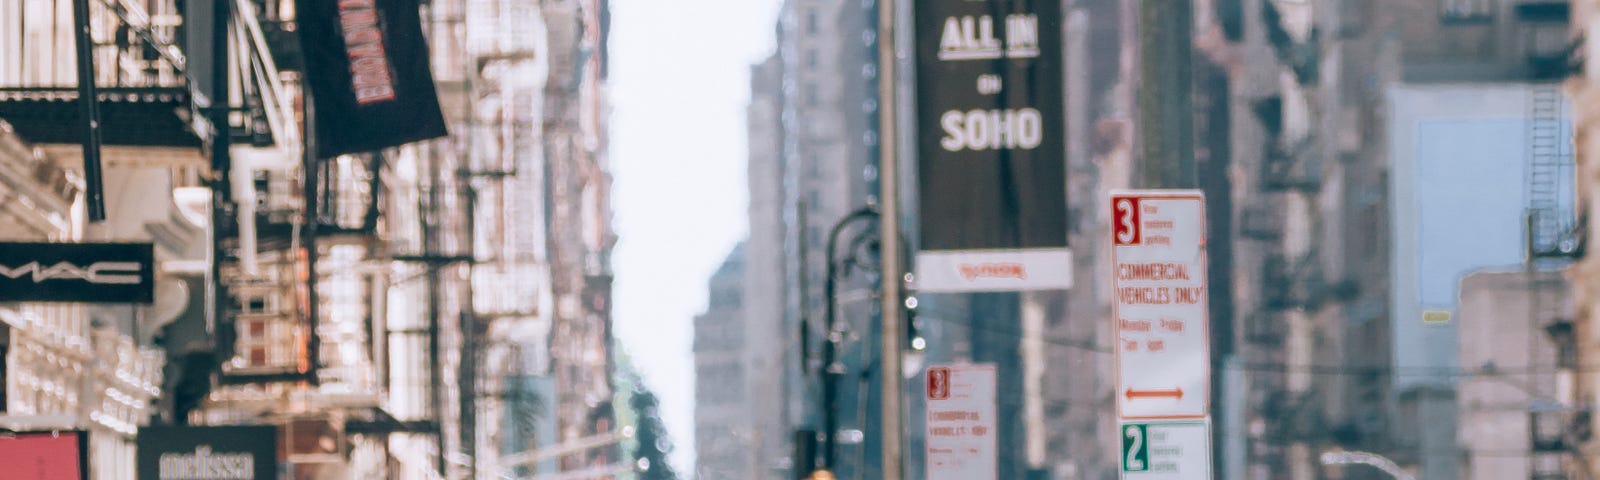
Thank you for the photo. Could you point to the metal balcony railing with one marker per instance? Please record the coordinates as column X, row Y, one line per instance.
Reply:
column 1261, row 221
column 1301, row 56
column 1547, row 430
column 1288, row 284
column 1467, row 11
column 151, row 94
column 1295, row 167
column 1266, row 328
column 144, row 97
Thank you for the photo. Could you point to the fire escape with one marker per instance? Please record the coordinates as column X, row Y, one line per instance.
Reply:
column 298, row 283
column 1555, row 230
column 1280, row 216
column 146, row 102
column 159, row 105
column 299, row 267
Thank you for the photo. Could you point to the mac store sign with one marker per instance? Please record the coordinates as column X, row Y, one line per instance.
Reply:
column 77, row 272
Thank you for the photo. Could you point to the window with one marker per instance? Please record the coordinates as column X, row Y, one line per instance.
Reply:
column 811, row 58
column 721, row 383
column 1466, row 10
column 266, row 336
column 811, row 22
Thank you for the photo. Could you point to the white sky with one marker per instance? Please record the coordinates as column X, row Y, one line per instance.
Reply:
column 679, row 87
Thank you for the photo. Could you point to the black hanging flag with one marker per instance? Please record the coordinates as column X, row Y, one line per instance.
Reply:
column 368, row 73
column 991, row 165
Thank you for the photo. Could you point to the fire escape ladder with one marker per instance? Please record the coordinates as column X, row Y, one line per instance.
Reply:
column 1557, row 228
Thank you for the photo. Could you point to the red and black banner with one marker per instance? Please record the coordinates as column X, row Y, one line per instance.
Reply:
column 368, row 75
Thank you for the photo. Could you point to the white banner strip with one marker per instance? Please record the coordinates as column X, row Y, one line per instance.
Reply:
column 994, row 270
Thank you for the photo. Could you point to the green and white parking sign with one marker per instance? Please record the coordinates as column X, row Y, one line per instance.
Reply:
column 1175, row 450
column 1136, row 447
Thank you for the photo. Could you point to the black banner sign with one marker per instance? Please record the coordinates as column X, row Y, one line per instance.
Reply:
column 368, row 71
column 990, row 128
column 208, row 453
column 77, row 272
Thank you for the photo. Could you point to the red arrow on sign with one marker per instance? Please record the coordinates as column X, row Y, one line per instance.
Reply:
column 1175, row 394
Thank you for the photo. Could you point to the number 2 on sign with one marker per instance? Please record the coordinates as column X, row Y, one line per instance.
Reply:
column 1125, row 210
column 1134, row 456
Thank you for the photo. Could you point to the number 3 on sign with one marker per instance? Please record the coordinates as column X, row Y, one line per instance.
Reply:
column 1125, row 214
column 1135, row 454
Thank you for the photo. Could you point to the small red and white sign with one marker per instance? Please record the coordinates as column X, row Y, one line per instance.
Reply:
column 994, row 270
column 961, row 441
column 1160, row 296
column 939, row 383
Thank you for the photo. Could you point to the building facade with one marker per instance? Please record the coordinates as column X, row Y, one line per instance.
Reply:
column 726, row 424
column 402, row 313
column 1513, row 416
column 808, row 155
column 55, row 366
column 1316, row 189
column 1585, row 272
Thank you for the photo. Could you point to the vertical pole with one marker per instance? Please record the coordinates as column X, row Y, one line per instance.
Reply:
column 436, row 369
column 468, row 388
column 1166, row 128
column 222, row 203
column 222, row 139
column 308, row 233
column 803, row 286
column 893, row 271
column 830, row 378
column 89, row 108
column 471, row 336
column 430, row 216
column 1166, row 116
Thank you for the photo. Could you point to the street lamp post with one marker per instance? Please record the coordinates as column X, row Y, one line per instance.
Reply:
column 1369, row 459
column 830, row 371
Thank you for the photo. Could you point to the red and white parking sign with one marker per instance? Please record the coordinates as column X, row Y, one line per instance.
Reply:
column 961, row 439
column 1158, row 279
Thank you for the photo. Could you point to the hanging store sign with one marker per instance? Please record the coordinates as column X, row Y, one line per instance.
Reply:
column 208, row 453
column 45, row 456
column 368, row 71
column 991, row 167
column 77, row 272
